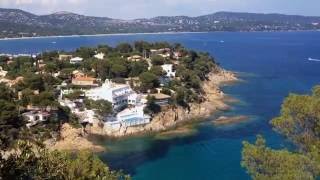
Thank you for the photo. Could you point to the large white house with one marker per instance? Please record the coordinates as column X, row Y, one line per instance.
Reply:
column 76, row 60
column 119, row 95
column 168, row 68
column 133, row 116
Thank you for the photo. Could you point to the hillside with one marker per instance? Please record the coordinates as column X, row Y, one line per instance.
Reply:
column 18, row 23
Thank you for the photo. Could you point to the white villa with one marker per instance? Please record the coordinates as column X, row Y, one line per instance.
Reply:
column 100, row 56
column 34, row 117
column 76, row 60
column 168, row 68
column 119, row 95
column 129, row 117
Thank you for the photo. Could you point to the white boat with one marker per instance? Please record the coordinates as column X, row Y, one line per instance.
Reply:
column 312, row 59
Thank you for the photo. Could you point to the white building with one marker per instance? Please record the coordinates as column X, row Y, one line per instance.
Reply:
column 135, row 58
column 100, row 56
column 34, row 117
column 118, row 94
column 129, row 117
column 76, row 60
column 168, row 68
column 88, row 116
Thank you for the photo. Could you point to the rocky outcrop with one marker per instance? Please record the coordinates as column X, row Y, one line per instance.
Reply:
column 73, row 139
column 223, row 120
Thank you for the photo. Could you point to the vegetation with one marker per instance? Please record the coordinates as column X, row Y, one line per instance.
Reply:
column 102, row 107
column 10, row 122
column 30, row 161
column 299, row 121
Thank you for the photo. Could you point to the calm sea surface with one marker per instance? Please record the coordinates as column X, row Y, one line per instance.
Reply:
column 272, row 65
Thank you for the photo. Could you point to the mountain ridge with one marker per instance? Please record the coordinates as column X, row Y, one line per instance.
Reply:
column 19, row 23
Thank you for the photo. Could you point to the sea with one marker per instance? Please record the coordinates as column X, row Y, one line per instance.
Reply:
column 271, row 65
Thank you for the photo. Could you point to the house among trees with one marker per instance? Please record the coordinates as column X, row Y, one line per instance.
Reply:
column 135, row 58
column 64, row 57
column 165, row 52
column 84, row 81
column 161, row 99
column 35, row 117
column 76, row 60
column 170, row 72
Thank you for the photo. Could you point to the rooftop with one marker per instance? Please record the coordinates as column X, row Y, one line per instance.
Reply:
column 160, row 96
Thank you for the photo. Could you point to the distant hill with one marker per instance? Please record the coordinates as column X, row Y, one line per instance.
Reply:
column 18, row 23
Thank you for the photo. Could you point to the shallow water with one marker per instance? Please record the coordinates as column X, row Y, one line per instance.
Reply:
column 271, row 65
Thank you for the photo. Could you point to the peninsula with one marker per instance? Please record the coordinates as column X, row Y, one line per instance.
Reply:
column 61, row 97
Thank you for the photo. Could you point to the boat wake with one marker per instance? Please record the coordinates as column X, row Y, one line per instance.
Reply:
column 311, row 59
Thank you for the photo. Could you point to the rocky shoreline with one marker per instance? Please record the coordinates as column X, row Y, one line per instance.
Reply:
column 166, row 120
column 72, row 139
column 223, row 120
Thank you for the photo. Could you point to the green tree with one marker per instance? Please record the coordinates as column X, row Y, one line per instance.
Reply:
column 119, row 70
column 85, row 52
column 148, row 81
column 34, row 82
column 124, row 48
column 30, row 161
column 299, row 121
column 44, row 99
column 262, row 163
column 10, row 122
column 157, row 60
column 51, row 68
column 152, row 107
column 158, row 71
column 140, row 46
column 136, row 68
column 102, row 107
column 74, row 95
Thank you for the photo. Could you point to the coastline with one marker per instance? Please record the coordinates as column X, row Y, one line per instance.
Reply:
column 99, row 35
column 132, row 34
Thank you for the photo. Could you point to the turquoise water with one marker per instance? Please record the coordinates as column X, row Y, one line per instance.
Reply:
column 271, row 65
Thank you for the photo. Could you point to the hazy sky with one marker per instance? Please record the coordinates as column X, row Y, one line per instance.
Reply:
column 130, row 9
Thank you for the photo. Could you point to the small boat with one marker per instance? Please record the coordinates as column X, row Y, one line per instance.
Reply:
column 221, row 41
column 312, row 59
column 54, row 42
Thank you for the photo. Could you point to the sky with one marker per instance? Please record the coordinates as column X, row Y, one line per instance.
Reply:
column 131, row 9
